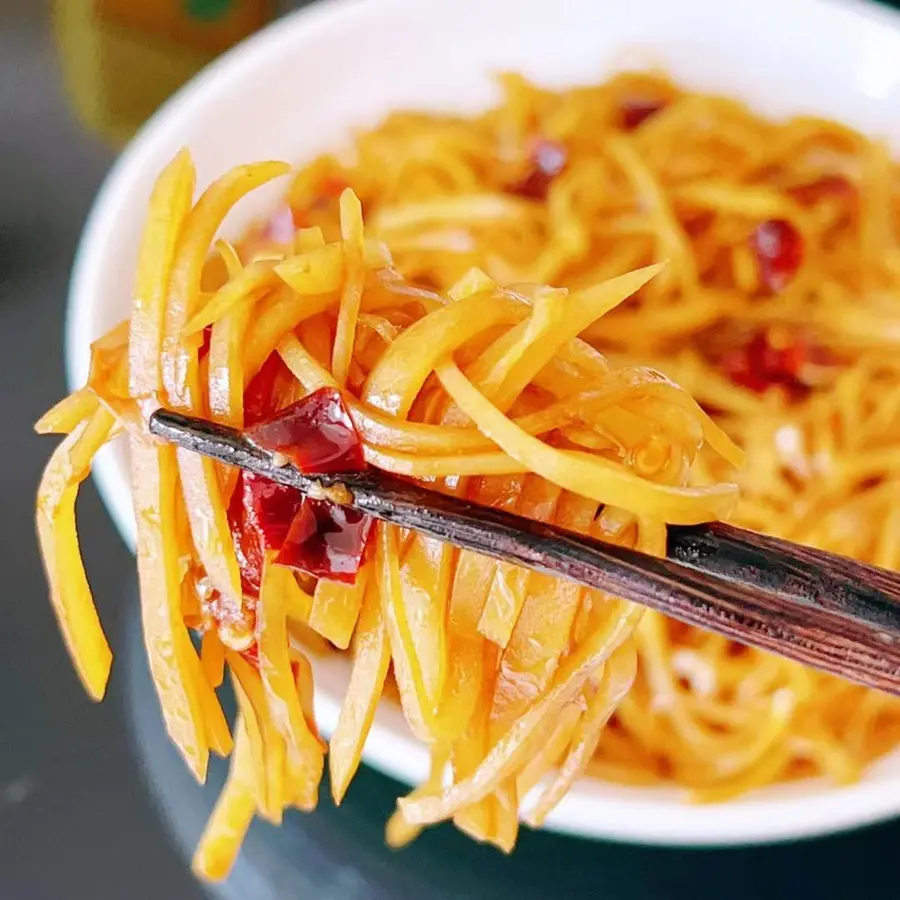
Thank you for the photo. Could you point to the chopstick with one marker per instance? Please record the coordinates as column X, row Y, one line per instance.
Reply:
column 818, row 608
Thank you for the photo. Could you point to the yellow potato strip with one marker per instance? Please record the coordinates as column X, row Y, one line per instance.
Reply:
column 591, row 477
column 231, row 817
column 371, row 657
column 69, row 590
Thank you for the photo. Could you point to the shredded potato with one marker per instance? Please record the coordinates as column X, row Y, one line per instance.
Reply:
column 775, row 312
column 69, row 589
column 459, row 673
column 687, row 234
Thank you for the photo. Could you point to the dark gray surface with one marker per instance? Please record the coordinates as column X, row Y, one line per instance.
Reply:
column 75, row 820
column 93, row 801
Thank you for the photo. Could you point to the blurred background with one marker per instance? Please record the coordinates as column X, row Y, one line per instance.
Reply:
column 93, row 800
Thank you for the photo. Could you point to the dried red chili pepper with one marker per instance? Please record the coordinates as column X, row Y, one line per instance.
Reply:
column 326, row 540
column 778, row 248
column 547, row 159
column 315, row 433
column 636, row 110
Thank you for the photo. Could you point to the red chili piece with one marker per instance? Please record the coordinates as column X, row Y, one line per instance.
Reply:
column 760, row 363
column 316, row 434
column 251, row 655
column 547, row 158
column 326, row 540
column 635, row 111
column 332, row 186
column 330, row 189
column 207, row 337
column 826, row 186
column 261, row 395
column 260, row 514
column 269, row 509
column 779, row 252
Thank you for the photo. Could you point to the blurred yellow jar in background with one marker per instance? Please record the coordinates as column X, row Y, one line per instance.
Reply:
column 122, row 58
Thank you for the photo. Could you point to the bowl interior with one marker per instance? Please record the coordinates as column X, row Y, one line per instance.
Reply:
column 304, row 84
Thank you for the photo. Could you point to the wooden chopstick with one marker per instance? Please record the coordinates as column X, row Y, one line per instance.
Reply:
column 818, row 608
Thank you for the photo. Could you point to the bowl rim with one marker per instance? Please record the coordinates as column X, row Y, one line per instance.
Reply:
column 641, row 816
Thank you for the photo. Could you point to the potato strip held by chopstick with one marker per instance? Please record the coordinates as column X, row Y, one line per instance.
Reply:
column 592, row 477
column 66, row 415
column 432, row 805
column 154, row 477
column 69, row 590
column 170, row 202
column 351, row 293
column 180, row 366
column 179, row 352
column 618, row 676
column 233, row 813
column 285, row 710
column 371, row 657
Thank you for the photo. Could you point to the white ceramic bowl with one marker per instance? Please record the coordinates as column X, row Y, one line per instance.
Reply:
column 303, row 84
